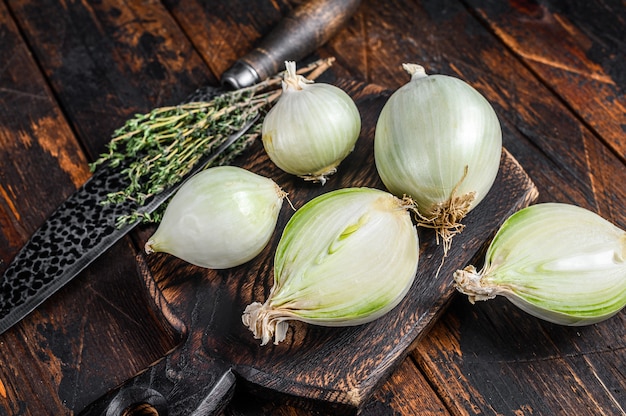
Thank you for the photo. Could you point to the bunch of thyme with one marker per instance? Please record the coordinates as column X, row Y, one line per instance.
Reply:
column 159, row 148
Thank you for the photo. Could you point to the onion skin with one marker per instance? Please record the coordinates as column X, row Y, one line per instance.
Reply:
column 220, row 218
column 439, row 141
column 311, row 129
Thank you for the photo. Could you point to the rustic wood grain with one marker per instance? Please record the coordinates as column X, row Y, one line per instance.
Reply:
column 31, row 128
column 109, row 60
column 223, row 32
column 493, row 359
column 584, row 69
column 406, row 393
column 561, row 113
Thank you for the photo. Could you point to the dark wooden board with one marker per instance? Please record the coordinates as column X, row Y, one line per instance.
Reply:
column 527, row 57
column 339, row 368
column 42, row 132
column 109, row 60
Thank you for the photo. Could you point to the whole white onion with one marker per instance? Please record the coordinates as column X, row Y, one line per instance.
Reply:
column 220, row 218
column 439, row 141
column 312, row 127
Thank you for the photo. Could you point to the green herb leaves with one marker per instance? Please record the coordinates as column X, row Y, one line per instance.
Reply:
column 157, row 149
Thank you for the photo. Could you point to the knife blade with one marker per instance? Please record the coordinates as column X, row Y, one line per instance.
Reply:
column 75, row 234
column 84, row 227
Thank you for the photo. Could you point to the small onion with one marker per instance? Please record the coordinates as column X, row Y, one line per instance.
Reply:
column 439, row 141
column 345, row 258
column 311, row 129
column 558, row 262
column 221, row 217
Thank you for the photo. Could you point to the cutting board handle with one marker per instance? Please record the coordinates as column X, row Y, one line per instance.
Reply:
column 165, row 387
column 304, row 30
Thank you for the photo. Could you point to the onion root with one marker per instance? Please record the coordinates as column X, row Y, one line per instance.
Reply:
column 445, row 217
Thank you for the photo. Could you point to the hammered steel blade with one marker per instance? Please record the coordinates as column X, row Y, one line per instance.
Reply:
column 79, row 230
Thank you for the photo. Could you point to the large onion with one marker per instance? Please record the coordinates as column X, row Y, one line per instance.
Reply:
column 311, row 129
column 220, row 218
column 439, row 141
column 559, row 262
column 345, row 258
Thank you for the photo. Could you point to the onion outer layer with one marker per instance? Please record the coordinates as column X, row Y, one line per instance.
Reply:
column 439, row 141
column 345, row 258
column 222, row 217
column 558, row 262
column 311, row 129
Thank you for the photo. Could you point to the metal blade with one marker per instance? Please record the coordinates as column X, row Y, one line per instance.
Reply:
column 78, row 231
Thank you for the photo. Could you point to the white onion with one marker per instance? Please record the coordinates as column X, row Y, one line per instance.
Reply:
column 559, row 262
column 311, row 129
column 221, row 217
column 439, row 141
column 345, row 258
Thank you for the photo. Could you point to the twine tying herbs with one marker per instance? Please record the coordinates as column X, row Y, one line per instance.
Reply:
column 159, row 148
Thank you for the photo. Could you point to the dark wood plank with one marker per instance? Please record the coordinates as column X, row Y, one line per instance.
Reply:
column 407, row 392
column 222, row 31
column 491, row 358
column 576, row 49
column 32, row 127
column 27, row 199
column 109, row 60
column 585, row 68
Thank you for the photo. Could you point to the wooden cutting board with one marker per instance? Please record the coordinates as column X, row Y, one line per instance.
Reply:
column 336, row 369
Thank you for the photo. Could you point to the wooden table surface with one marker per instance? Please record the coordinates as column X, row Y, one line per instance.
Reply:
column 72, row 72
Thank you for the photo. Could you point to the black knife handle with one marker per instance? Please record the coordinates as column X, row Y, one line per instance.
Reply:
column 305, row 29
column 181, row 384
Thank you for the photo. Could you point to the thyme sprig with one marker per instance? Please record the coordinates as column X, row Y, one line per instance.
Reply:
column 157, row 149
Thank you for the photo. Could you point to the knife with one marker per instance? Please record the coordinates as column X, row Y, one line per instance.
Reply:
column 83, row 227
